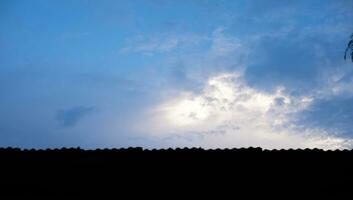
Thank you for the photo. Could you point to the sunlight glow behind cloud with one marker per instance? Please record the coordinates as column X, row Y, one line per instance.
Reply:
column 229, row 113
column 178, row 73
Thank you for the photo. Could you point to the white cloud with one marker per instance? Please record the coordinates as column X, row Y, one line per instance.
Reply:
column 221, row 46
column 229, row 113
column 336, row 82
column 224, row 45
column 151, row 45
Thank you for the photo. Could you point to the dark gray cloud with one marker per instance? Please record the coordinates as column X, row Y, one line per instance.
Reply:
column 292, row 42
column 334, row 114
column 282, row 62
column 70, row 117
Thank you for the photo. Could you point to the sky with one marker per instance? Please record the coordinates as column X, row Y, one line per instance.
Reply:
column 176, row 73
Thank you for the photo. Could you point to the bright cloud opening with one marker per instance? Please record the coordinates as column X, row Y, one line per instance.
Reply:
column 229, row 113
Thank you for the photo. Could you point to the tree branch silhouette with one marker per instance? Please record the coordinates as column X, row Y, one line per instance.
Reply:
column 349, row 49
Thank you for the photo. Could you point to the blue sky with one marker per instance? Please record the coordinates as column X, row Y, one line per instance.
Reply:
column 167, row 73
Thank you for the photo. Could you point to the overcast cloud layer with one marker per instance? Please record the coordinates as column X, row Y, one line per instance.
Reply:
column 154, row 73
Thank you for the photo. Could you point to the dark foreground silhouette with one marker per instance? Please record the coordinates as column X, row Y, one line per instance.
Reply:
column 181, row 172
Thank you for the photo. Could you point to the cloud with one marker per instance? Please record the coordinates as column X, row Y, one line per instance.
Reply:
column 334, row 114
column 254, row 90
column 337, row 82
column 70, row 117
column 150, row 46
column 217, row 74
column 229, row 113
column 291, row 42
column 209, row 55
